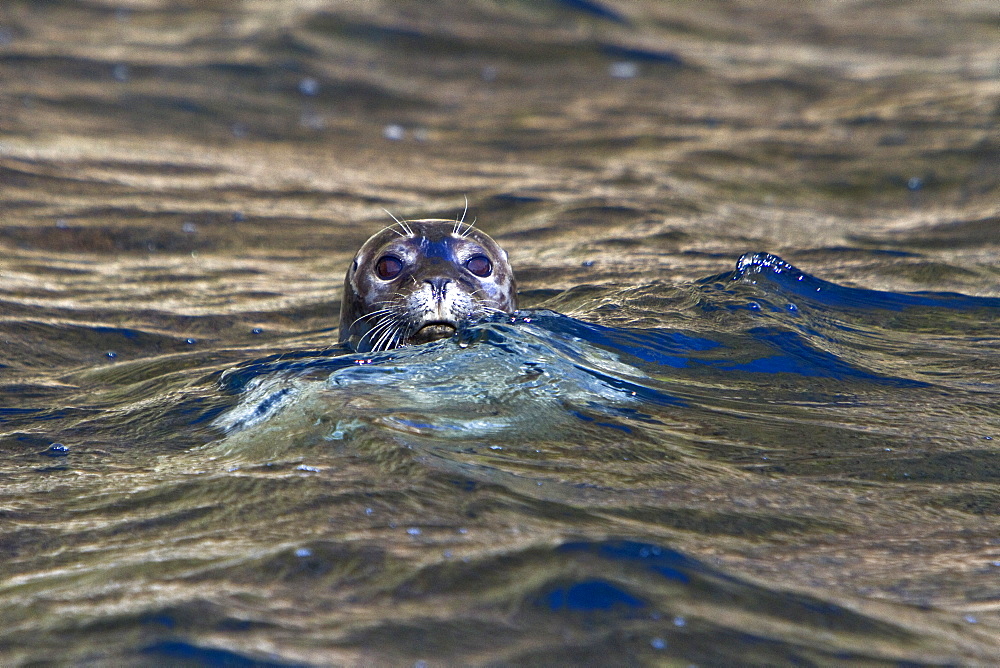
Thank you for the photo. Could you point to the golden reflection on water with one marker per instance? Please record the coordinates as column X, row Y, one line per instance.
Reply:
column 183, row 184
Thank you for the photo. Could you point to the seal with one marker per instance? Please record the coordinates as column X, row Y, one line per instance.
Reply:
column 421, row 280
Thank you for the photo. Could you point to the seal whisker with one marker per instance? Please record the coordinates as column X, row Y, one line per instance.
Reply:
column 374, row 331
column 381, row 311
column 385, row 328
column 468, row 228
column 387, row 316
column 480, row 292
column 458, row 221
column 394, row 343
column 387, row 337
column 390, row 227
column 384, row 322
column 402, row 224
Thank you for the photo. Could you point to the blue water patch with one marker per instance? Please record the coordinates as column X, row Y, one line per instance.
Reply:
column 200, row 411
column 590, row 596
column 172, row 651
column 658, row 346
column 594, row 9
column 126, row 333
column 804, row 360
column 772, row 271
column 791, row 353
column 663, row 561
column 643, row 55
column 18, row 412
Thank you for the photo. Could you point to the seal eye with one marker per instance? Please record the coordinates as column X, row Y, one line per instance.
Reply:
column 388, row 267
column 479, row 265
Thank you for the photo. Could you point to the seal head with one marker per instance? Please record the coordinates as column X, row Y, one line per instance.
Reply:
column 422, row 280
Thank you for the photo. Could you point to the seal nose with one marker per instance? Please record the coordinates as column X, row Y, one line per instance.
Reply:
column 437, row 286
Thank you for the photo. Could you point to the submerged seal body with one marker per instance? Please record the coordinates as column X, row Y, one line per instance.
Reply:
column 421, row 280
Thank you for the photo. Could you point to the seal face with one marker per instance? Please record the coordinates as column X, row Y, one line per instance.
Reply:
column 421, row 280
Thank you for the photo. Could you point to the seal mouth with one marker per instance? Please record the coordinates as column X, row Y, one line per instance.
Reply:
column 433, row 331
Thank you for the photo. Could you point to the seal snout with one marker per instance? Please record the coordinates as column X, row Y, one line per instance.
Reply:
column 438, row 287
column 440, row 304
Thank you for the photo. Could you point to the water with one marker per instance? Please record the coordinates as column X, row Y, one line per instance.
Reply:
column 683, row 450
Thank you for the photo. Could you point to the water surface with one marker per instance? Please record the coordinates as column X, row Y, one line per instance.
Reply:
column 748, row 413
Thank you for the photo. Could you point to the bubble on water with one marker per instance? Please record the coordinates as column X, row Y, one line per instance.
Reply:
column 623, row 70
column 189, row 227
column 111, row 354
column 679, row 621
column 239, row 130
column 368, row 511
column 394, row 132
column 496, row 447
column 312, row 120
column 190, row 342
column 489, row 73
column 56, row 450
column 658, row 643
column 306, row 467
column 414, row 531
column 303, row 552
column 915, row 183
column 120, row 72
column 971, row 619
column 62, row 224
column 256, row 330
column 463, row 531
column 239, row 217
column 308, row 86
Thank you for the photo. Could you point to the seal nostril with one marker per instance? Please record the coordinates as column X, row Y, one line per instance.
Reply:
column 437, row 286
